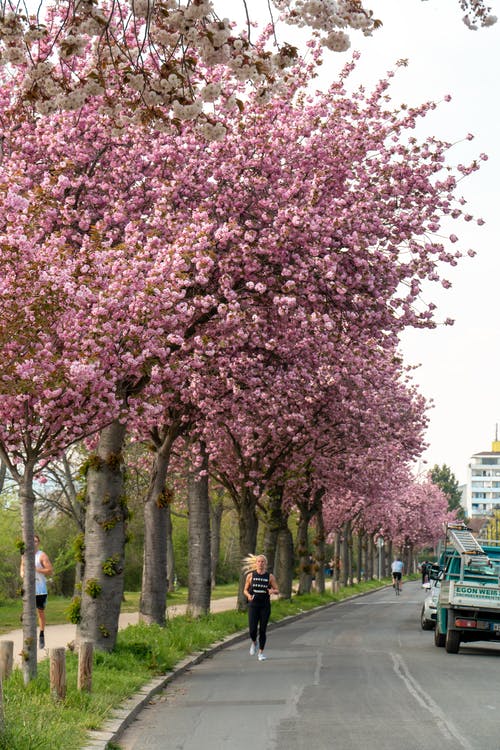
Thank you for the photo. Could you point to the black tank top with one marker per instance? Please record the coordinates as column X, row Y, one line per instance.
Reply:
column 260, row 585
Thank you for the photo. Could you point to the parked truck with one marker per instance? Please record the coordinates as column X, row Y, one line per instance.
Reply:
column 468, row 607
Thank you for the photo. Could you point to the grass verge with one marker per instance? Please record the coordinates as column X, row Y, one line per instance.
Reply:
column 57, row 606
column 34, row 720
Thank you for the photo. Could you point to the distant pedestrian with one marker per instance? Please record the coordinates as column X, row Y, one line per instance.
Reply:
column 424, row 569
column 43, row 568
column 259, row 584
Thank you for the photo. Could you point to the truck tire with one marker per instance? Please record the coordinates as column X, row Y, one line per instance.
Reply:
column 439, row 638
column 425, row 624
column 452, row 641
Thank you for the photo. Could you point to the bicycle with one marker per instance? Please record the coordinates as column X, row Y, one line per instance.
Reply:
column 396, row 582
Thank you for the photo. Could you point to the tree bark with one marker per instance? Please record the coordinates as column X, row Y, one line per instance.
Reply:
column 199, row 542
column 306, row 562
column 102, row 590
column 27, row 500
column 216, row 512
column 346, row 555
column 247, row 524
column 387, row 558
column 275, row 521
column 171, row 576
column 153, row 602
column 284, row 561
column 360, row 571
column 336, row 562
column 370, row 557
column 319, row 550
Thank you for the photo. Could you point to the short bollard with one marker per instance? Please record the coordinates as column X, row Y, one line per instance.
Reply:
column 85, row 653
column 2, row 719
column 6, row 658
column 58, row 673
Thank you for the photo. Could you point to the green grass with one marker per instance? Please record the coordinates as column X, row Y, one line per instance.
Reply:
column 10, row 611
column 34, row 720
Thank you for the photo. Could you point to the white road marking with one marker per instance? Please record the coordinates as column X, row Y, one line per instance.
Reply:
column 447, row 728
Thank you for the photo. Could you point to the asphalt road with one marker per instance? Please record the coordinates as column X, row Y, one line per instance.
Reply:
column 359, row 675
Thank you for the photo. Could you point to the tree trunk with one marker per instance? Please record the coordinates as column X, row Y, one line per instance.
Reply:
column 102, row 590
column 171, row 576
column 3, row 474
column 284, row 562
column 387, row 558
column 345, row 556
column 275, row 521
column 306, row 563
column 216, row 512
column 153, row 603
column 247, row 524
column 319, row 551
column 360, row 571
column 336, row 562
column 199, row 542
column 370, row 559
column 27, row 500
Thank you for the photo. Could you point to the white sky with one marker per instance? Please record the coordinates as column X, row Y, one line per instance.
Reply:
column 460, row 365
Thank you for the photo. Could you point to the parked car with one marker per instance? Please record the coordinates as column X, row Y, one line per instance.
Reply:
column 428, row 614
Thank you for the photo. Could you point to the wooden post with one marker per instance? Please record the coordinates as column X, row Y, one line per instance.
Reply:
column 85, row 653
column 58, row 673
column 6, row 658
column 2, row 718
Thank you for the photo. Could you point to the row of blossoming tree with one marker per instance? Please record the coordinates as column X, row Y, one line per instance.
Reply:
column 233, row 289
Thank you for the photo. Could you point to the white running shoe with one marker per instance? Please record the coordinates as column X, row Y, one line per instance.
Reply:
column 262, row 657
column 253, row 649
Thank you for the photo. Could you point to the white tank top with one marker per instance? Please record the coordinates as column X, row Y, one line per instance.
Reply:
column 41, row 581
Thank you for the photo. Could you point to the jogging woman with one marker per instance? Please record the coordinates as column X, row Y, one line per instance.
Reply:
column 259, row 584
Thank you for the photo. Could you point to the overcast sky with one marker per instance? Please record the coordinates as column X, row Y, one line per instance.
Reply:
column 460, row 365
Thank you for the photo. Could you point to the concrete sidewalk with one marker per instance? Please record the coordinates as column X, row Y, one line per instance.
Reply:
column 59, row 636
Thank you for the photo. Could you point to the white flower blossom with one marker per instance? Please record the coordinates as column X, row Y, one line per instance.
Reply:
column 187, row 111
column 337, row 41
column 14, row 55
column 211, row 92
column 136, row 82
column 199, row 11
column 211, row 132
column 142, row 8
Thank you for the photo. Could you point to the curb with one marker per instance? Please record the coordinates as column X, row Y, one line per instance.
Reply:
column 126, row 712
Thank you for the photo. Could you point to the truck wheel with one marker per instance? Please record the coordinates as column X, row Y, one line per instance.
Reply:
column 452, row 641
column 425, row 624
column 439, row 638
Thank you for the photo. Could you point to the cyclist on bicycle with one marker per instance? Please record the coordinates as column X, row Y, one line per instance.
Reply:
column 397, row 573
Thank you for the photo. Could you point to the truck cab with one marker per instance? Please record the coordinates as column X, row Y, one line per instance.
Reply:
column 468, row 607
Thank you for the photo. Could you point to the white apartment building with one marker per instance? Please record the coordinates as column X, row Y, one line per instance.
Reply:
column 482, row 492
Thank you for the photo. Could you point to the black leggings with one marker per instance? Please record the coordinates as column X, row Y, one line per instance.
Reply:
column 258, row 617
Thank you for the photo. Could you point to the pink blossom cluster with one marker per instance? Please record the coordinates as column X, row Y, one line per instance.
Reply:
column 252, row 288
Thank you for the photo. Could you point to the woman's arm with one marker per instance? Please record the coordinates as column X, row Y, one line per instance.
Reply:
column 273, row 588
column 246, row 591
